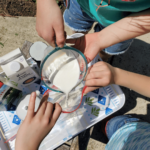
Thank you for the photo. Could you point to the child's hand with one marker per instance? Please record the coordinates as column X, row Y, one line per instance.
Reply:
column 89, row 45
column 100, row 74
column 49, row 22
column 37, row 125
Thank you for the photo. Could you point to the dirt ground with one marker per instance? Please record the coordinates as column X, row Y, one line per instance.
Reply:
column 21, row 7
column 18, row 7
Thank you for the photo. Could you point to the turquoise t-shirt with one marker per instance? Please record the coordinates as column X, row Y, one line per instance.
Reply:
column 117, row 9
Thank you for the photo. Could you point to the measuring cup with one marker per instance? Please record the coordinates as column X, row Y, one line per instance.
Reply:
column 53, row 58
column 47, row 75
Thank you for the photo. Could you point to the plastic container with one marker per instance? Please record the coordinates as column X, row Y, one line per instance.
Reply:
column 37, row 50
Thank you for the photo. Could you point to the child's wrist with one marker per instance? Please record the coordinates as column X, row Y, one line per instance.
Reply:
column 102, row 38
column 99, row 40
column 117, row 74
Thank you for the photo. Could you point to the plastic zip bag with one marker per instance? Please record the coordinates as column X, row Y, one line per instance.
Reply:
column 74, row 98
column 11, row 134
column 65, row 128
column 65, row 121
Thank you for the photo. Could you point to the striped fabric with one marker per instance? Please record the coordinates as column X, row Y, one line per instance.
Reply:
column 132, row 136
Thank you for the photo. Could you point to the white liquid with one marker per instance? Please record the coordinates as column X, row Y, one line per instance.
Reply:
column 67, row 77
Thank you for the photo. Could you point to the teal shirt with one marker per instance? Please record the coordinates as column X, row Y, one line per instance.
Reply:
column 117, row 9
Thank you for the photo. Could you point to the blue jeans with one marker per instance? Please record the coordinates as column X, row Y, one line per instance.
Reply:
column 79, row 21
column 117, row 122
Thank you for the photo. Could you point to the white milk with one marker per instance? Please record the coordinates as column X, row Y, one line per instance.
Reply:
column 67, row 77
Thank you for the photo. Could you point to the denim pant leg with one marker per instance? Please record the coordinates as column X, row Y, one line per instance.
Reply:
column 75, row 18
column 117, row 122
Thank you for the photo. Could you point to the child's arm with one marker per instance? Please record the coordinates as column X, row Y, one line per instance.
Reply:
column 130, row 27
column 49, row 22
column 36, row 125
column 103, row 74
column 133, row 81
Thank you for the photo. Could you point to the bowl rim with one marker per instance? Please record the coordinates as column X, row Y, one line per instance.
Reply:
column 55, row 50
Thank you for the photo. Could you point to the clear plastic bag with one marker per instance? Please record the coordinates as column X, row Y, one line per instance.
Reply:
column 67, row 124
column 11, row 134
column 74, row 99
column 65, row 128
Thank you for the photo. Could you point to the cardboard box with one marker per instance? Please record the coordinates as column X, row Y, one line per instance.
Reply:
column 17, row 70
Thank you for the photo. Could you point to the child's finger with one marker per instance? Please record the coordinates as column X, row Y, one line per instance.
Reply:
column 49, row 110
column 95, row 82
column 95, row 68
column 56, row 114
column 60, row 35
column 88, row 71
column 45, row 97
column 94, row 75
column 31, row 106
column 100, row 63
column 50, row 38
column 98, row 68
column 42, row 107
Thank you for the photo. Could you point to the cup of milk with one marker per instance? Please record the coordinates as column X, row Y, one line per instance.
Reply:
column 63, row 69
